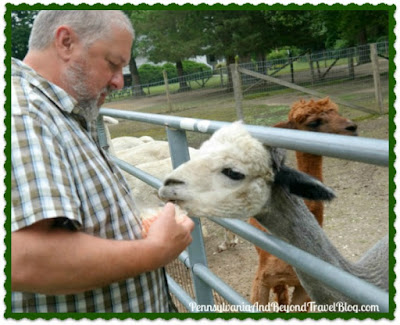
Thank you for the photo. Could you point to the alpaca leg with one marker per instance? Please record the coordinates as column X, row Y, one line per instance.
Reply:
column 259, row 292
column 224, row 245
column 282, row 294
column 231, row 240
column 300, row 296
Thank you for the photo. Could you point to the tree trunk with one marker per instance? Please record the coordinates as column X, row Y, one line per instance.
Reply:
column 183, row 86
column 137, row 89
column 230, row 59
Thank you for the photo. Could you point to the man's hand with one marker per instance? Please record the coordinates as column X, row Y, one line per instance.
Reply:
column 170, row 235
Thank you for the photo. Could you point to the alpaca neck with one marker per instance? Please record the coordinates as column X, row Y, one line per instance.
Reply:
column 312, row 165
column 309, row 164
column 287, row 217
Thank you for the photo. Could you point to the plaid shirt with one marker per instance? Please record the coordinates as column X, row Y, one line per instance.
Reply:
column 59, row 170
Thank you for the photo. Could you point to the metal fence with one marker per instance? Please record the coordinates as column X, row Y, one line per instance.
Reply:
column 205, row 282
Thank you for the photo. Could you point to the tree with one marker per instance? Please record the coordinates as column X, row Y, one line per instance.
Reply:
column 21, row 25
column 303, row 29
column 137, row 89
column 356, row 27
column 172, row 36
column 135, row 16
column 241, row 34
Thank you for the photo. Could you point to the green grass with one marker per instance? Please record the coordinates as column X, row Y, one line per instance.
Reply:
column 303, row 66
column 213, row 82
column 254, row 114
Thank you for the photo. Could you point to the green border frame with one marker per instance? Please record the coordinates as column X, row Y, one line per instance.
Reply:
column 107, row 316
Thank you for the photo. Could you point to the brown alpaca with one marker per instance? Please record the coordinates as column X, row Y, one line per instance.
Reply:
column 273, row 273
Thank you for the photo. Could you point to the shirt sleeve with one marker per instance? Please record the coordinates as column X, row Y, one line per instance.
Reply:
column 42, row 185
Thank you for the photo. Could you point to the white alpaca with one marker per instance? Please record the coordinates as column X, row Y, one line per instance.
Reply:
column 238, row 177
column 146, row 152
column 152, row 157
column 149, row 152
column 122, row 143
column 125, row 142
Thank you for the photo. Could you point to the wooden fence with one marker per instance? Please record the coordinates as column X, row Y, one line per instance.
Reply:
column 237, row 71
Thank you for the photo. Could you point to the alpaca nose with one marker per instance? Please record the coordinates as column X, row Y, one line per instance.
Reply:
column 171, row 181
column 352, row 127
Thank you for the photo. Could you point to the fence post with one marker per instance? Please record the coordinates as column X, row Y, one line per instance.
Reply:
column 197, row 254
column 350, row 62
column 167, row 90
column 237, row 90
column 221, row 77
column 311, row 68
column 377, row 76
column 291, row 66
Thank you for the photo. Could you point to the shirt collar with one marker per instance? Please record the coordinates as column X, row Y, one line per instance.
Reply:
column 56, row 94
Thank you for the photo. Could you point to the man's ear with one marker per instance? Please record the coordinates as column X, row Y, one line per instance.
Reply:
column 65, row 41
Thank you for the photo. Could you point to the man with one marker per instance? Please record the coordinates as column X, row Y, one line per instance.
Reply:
column 76, row 242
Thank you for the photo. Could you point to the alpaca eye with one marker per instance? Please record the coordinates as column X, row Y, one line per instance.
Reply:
column 314, row 124
column 236, row 176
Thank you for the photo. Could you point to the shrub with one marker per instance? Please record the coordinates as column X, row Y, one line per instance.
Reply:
column 150, row 73
column 170, row 69
column 191, row 67
column 282, row 53
column 278, row 54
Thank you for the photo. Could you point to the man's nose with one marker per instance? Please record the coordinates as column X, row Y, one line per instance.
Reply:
column 117, row 80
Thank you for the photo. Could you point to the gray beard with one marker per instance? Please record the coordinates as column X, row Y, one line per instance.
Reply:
column 77, row 78
column 90, row 110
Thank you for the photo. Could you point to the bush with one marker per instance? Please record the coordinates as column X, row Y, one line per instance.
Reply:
column 150, row 73
column 170, row 69
column 282, row 53
column 278, row 54
column 340, row 44
column 191, row 67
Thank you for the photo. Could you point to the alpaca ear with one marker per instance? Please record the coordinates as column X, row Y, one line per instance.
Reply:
column 285, row 125
column 303, row 185
column 278, row 157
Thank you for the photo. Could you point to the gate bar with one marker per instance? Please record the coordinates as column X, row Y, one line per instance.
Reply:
column 181, row 294
column 216, row 283
column 197, row 254
column 367, row 150
column 336, row 278
column 221, row 287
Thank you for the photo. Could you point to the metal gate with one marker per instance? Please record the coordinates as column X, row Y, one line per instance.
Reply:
column 370, row 151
